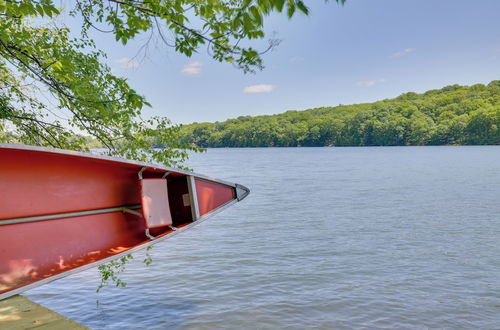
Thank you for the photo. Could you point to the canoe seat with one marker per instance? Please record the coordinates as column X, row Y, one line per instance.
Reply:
column 154, row 200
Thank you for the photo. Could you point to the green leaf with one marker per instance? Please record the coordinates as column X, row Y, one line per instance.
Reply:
column 256, row 14
column 302, row 7
column 279, row 4
column 291, row 8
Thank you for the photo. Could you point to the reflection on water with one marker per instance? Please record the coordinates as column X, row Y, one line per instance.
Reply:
column 403, row 237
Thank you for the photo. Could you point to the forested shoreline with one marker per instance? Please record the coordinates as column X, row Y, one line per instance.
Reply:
column 468, row 115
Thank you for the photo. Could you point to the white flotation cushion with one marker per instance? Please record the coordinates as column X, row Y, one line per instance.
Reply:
column 154, row 200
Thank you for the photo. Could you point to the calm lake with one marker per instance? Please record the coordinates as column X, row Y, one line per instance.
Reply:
column 396, row 237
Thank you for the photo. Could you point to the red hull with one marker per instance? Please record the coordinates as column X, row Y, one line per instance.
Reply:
column 62, row 212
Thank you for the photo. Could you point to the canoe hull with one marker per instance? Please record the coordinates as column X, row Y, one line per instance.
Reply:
column 63, row 212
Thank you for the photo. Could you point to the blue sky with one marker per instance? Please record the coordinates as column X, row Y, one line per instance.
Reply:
column 363, row 51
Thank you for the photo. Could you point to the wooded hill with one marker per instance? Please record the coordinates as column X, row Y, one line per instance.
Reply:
column 451, row 115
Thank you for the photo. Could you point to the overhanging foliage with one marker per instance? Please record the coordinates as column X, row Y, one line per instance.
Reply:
column 55, row 88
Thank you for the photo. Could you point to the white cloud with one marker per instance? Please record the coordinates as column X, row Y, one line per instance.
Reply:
column 262, row 88
column 370, row 83
column 127, row 63
column 192, row 68
column 296, row 59
column 403, row 52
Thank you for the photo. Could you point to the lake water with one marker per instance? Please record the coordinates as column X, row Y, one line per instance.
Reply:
column 398, row 237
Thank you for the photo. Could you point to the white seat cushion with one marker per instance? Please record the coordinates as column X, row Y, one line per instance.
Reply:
column 154, row 199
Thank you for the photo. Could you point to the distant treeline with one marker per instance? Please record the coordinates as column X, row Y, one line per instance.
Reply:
column 451, row 115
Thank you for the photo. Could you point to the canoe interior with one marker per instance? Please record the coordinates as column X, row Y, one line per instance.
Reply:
column 34, row 183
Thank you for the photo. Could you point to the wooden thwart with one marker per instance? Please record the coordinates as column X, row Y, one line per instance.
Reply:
column 18, row 312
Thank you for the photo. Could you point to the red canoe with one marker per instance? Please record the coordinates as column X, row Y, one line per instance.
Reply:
column 62, row 212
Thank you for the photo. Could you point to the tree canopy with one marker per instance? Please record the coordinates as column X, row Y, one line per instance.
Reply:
column 451, row 115
column 55, row 89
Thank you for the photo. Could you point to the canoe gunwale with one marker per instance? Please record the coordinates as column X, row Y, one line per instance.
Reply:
column 114, row 160
column 139, row 247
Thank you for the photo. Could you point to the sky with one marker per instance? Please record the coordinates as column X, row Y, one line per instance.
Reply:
column 364, row 51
